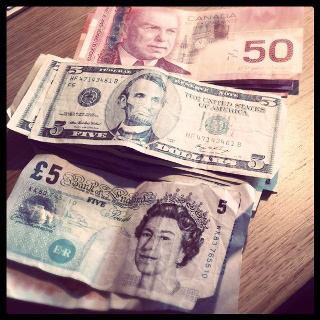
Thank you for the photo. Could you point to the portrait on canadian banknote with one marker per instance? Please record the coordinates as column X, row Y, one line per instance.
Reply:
column 137, row 109
column 148, row 36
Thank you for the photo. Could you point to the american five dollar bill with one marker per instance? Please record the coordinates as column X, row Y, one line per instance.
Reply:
column 162, row 115
column 32, row 93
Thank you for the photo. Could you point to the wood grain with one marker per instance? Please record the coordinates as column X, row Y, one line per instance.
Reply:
column 278, row 258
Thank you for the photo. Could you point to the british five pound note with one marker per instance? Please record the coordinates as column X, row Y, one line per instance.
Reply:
column 165, row 241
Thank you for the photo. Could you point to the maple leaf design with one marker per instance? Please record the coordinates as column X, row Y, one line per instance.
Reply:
column 265, row 17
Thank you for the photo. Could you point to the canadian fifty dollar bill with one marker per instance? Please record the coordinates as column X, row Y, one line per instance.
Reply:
column 213, row 44
column 164, row 241
column 165, row 116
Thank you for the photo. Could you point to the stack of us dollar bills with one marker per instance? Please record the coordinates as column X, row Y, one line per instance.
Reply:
column 161, row 122
column 142, row 187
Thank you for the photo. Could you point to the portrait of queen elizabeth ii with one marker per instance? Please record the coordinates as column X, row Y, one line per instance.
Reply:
column 168, row 239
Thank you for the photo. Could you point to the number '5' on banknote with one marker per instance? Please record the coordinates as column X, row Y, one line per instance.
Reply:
column 165, row 116
column 164, row 241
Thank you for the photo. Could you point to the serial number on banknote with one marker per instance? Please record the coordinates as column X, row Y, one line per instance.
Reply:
column 90, row 79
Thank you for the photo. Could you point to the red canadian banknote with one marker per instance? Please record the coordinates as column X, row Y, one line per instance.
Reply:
column 84, row 32
column 215, row 44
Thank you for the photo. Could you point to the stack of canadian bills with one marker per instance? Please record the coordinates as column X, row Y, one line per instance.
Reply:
column 146, row 176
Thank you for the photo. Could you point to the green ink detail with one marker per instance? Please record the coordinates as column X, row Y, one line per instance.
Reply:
column 217, row 125
column 62, row 251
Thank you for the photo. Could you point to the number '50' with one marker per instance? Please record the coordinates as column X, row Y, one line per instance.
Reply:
column 272, row 50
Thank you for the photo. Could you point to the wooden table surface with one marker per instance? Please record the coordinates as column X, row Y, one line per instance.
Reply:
column 278, row 258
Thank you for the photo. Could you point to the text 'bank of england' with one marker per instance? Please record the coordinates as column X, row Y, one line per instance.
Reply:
column 157, row 240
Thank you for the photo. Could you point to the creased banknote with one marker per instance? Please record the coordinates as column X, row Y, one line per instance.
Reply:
column 225, row 299
column 164, row 116
column 145, row 168
column 30, row 97
column 215, row 44
column 152, row 241
column 36, row 287
column 117, row 163
column 141, row 165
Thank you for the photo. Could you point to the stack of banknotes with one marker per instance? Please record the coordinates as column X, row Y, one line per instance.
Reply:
column 145, row 179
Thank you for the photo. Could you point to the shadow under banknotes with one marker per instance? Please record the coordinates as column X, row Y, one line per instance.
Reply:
column 19, row 150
